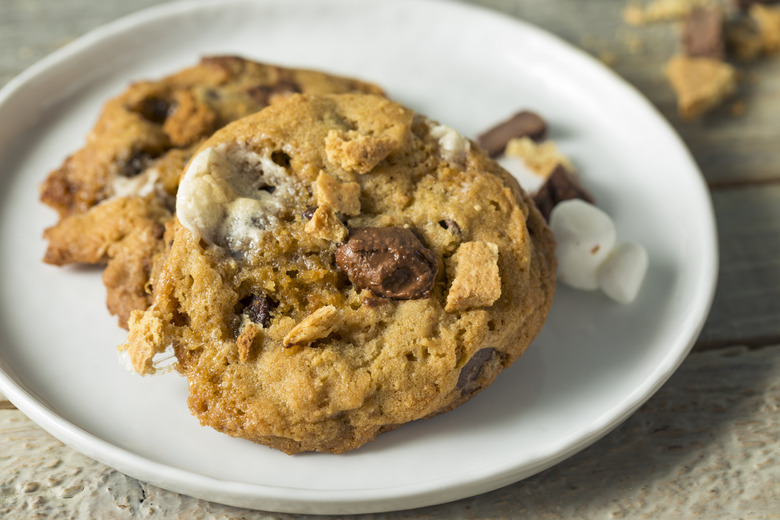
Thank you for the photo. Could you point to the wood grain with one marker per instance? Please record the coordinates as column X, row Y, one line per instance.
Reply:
column 746, row 308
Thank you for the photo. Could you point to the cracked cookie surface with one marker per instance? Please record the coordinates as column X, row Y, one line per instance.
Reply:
column 324, row 283
column 116, row 194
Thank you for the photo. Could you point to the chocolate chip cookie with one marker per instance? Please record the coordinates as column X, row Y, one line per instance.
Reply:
column 116, row 194
column 340, row 266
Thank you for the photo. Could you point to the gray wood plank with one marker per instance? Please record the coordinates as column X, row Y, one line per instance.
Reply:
column 746, row 308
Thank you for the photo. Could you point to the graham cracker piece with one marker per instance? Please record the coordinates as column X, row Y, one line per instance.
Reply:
column 343, row 197
column 324, row 223
column 245, row 341
column 315, row 326
column 476, row 281
column 540, row 158
column 701, row 84
column 768, row 21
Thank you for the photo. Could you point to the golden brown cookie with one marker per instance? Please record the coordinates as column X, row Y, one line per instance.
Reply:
column 115, row 195
column 341, row 266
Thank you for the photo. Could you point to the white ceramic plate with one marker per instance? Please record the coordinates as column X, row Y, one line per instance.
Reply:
column 593, row 365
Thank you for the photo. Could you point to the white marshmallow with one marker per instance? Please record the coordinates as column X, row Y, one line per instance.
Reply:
column 221, row 197
column 622, row 273
column 454, row 146
column 585, row 236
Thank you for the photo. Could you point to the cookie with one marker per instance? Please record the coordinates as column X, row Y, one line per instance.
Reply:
column 116, row 194
column 341, row 266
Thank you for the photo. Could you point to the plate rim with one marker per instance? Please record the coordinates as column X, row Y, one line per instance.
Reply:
column 300, row 500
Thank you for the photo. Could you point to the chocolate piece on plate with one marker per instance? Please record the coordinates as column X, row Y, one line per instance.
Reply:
column 522, row 124
column 560, row 185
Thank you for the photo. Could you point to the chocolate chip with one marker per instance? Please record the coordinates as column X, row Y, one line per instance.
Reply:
column 473, row 368
column 158, row 230
column 392, row 262
column 559, row 186
column 135, row 164
column 450, row 225
column 308, row 213
column 281, row 158
column 258, row 308
column 522, row 124
column 265, row 94
column 155, row 109
column 702, row 33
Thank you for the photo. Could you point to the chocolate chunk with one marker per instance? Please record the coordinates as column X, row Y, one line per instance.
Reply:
column 308, row 213
column 702, row 33
column 258, row 308
column 560, row 185
column 136, row 163
column 473, row 368
column 522, row 124
column 392, row 262
column 155, row 109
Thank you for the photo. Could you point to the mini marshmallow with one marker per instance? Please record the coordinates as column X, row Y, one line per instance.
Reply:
column 585, row 236
column 622, row 273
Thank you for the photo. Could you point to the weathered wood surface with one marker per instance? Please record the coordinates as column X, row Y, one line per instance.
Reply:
column 704, row 447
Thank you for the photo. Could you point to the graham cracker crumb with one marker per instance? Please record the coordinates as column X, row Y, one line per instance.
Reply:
column 144, row 341
column 768, row 21
column 701, row 84
column 245, row 341
column 343, row 197
column 356, row 152
column 540, row 158
column 324, row 223
column 476, row 279
column 743, row 39
column 317, row 325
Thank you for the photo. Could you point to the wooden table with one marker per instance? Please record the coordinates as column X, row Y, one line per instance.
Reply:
column 707, row 445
